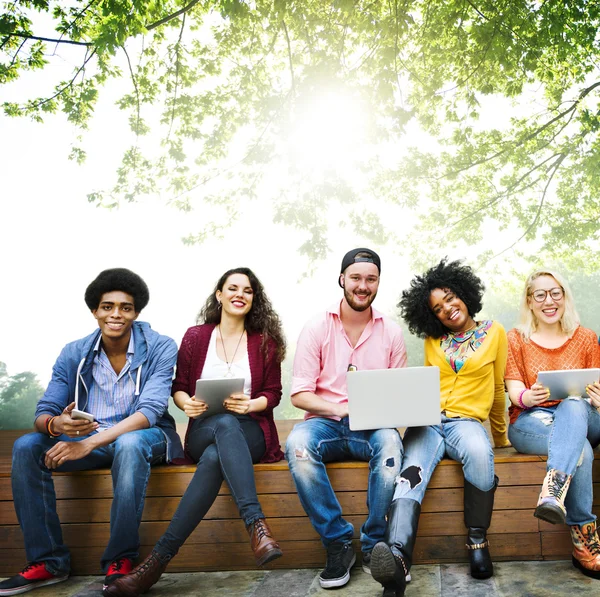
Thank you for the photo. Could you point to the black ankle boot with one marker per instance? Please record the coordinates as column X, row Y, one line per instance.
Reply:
column 478, row 515
column 391, row 559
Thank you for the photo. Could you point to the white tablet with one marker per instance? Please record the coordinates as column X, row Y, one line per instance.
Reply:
column 214, row 391
column 568, row 382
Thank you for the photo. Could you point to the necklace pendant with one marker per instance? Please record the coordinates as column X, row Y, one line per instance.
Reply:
column 229, row 374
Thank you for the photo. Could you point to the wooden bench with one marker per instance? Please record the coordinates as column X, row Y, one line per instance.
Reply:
column 220, row 542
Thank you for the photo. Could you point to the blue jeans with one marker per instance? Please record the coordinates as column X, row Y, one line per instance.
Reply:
column 463, row 440
column 225, row 446
column 568, row 434
column 319, row 440
column 129, row 458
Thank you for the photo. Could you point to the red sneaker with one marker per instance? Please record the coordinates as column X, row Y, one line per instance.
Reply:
column 118, row 568
column 34, row 575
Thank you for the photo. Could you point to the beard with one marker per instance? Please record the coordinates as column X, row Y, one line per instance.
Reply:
column 349, row 296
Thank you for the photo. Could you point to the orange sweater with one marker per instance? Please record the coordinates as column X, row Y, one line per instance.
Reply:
column 526, row 359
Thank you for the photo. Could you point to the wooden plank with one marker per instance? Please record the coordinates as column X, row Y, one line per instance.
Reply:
column 233, row 531
column 274, row 505
column 174, row 483
column 507, row 546
column 556, row 545
column 297, row 554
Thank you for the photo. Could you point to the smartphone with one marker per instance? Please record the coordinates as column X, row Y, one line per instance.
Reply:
column 80, row 414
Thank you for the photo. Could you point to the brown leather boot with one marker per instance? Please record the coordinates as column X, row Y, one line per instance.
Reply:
column 551, row 503
column 586, row 549
column 140, row 579
column 263, row 544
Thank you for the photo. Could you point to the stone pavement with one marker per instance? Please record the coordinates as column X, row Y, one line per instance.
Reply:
column 512, row 579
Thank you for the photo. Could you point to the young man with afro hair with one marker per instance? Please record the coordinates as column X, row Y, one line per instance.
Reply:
column 105, row 406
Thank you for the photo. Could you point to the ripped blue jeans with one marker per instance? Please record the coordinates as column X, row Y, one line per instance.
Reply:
column 568, row 434
column 463, row 440
column 319, row 440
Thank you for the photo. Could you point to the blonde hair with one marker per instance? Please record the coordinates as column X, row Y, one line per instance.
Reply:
column 528, row 323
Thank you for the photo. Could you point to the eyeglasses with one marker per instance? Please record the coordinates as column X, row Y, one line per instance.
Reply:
column 539, row 296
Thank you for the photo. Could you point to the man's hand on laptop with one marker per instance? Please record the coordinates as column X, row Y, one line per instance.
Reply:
column 341, row 409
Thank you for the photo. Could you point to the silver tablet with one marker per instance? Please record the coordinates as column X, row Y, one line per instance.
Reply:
column 568, row 382
column 389, row 398
column 214, row 391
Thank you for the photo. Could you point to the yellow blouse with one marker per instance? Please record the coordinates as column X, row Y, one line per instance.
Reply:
column 477, row 390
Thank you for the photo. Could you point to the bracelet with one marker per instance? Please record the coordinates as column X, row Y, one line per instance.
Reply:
column 520, row 399
column 46, row 423
column 49, row 427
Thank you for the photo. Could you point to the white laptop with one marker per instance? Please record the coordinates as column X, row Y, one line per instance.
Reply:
column 390, row 398
column 568, row 382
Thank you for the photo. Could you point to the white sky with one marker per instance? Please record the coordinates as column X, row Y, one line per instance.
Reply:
column 53, row 243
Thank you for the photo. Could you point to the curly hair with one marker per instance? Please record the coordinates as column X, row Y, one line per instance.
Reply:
column 454, row 276
column 261, row 318
column 117, row 278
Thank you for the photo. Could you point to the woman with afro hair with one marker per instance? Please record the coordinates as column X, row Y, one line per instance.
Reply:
column 441, row 306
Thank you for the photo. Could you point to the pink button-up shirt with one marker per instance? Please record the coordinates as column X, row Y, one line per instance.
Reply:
column 324, row 352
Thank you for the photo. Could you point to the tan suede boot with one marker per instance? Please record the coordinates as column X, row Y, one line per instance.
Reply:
column 586, row 549
column 551, row 504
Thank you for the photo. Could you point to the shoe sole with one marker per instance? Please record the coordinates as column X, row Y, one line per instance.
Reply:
column 553, row 515
column 32, row 586
column 271, row 555
column 367, row 570
column 591, row 573
column 383, row 570
column 332, row 583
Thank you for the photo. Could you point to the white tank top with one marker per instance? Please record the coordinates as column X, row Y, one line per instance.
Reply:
column 214, row 367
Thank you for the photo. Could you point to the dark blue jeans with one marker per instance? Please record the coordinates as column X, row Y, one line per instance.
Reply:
column 129, row 458
column 225, row 447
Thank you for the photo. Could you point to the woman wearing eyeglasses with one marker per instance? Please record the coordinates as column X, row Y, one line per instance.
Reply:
column 550, row 338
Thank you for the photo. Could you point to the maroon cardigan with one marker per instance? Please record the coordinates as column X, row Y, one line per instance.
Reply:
column 266, row 379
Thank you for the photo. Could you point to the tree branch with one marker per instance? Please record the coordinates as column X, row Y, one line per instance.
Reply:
column 555, row 168
column 289, row 49
column 527, row 137
column 86, row 44
column 137, row 91
column 69, row 84
column 170, row 17
column 177, row 50
column 508, row 191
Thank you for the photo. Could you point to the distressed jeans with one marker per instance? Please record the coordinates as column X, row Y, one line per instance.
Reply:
column 317, row 441
column 568, row 434
column 129, row 457
column 463, row 440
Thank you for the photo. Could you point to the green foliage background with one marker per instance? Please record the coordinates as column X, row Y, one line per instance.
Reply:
column 506, row 93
